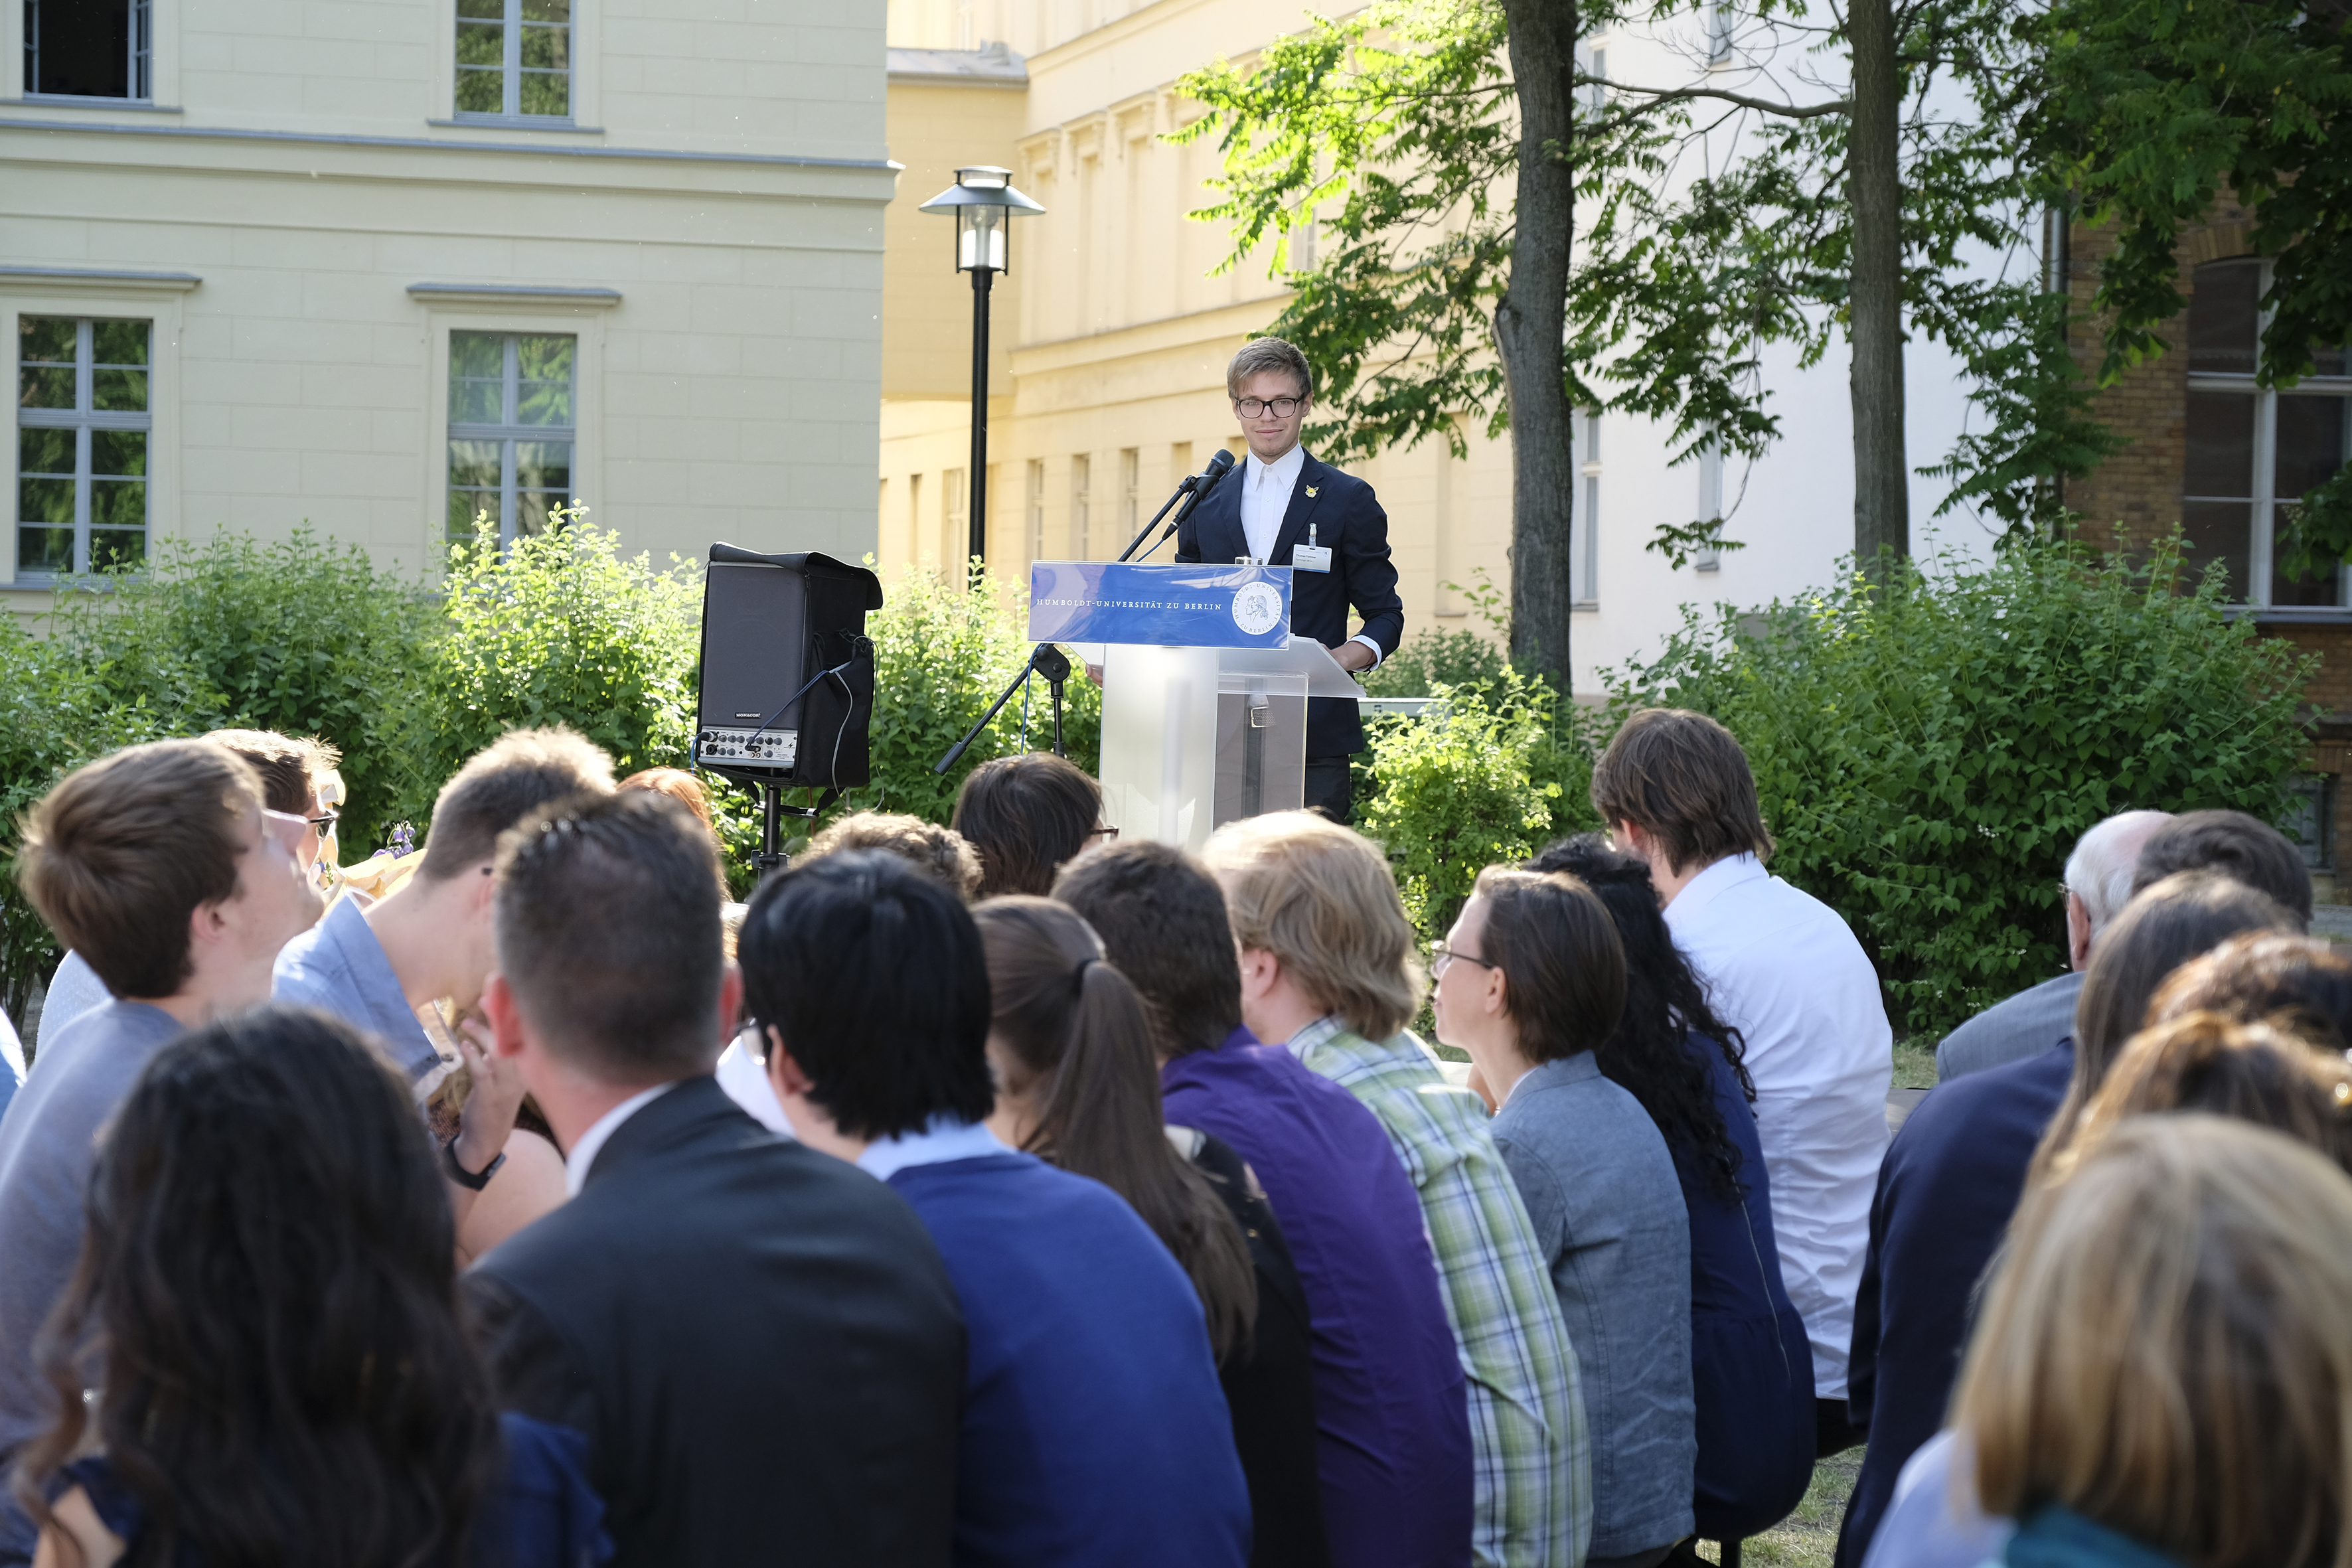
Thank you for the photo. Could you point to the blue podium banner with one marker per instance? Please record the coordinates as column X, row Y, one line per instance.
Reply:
column 1164, row 606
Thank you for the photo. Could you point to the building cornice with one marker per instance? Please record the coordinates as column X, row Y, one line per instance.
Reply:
column 84, row 279
column 514, row 294
column 452, row 144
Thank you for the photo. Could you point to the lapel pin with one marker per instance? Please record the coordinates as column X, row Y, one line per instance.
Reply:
column 1311, row 492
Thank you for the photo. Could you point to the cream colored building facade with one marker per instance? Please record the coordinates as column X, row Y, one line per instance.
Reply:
column 1112, row 337
column 386, row 259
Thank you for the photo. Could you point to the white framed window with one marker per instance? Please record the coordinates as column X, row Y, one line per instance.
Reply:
column 89, row 49
column 83, row 422
column 955, row 526
column 1584, row 527
column 1082, row 478
column 2252, row 452
column 1719, row 25
column 1037, row 509
column 1130, row 491
column 513, row 411
column 1596, row 97
column 514, row 59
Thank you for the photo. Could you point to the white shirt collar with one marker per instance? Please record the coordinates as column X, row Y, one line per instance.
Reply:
column 591, row 1142
column 942, row 1139
column 1282, row 473
column 1711, row 884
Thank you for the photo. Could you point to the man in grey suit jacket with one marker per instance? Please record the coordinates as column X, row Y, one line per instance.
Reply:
column 2099, row 886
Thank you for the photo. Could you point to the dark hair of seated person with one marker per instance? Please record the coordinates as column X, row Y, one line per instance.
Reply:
column 2241, row 847
column 268, row 1272
column 1028, row 817
column 1161, row 918
column 1076, row 1028
column 1665, row 1007
column 872, row 973
column 1563, row 965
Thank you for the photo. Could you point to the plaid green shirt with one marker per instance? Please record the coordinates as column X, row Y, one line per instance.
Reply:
column 1533, row 1460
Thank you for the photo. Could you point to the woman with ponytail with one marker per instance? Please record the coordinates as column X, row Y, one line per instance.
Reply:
column 1077, row 1084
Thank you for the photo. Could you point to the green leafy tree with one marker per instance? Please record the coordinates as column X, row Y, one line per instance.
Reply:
column 1412, row 132
column 1927, row 751
column 2154, row 109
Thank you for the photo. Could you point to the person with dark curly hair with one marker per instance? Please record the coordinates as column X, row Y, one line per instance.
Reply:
column 1751, row 1374
column 267, row 1294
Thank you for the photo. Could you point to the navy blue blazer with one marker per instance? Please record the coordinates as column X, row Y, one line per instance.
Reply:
column 1346, row 517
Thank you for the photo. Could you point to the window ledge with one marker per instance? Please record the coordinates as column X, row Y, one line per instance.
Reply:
column 2291, row 615
column 80, row 278
column 107, row 105
column 514, row 294
column 515, row 123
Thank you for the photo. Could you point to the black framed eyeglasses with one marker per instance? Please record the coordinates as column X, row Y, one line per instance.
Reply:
column 325, row 825
column 1442, row 957
column 1283, row 407
column 1110, row 833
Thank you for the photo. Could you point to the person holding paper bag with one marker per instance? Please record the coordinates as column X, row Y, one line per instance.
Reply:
column 1285, row 509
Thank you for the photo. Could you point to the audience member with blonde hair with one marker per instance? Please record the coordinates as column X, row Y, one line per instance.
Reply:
column 678, row 785
column 1530, row 980
column 2300, row 983
column 2163, row 1370
column 1328, row 970
column 939, row 853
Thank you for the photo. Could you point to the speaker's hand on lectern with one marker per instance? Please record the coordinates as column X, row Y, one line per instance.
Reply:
column 1352, row 656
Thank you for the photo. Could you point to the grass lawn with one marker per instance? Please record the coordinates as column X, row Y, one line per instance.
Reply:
column 1807, row 1538
column 1915, row 1062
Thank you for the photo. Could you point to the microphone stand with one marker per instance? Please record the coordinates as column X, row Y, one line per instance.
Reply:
column 1046, row 660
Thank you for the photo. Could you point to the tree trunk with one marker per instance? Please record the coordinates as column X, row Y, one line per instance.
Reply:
column 1530, row 326
column 1882, row 476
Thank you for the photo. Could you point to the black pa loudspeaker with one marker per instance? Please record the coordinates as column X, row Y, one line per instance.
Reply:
column 787, row 685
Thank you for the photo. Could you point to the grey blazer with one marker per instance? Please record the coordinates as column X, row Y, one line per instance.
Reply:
column 1608, row 1211
column 2026, row 1024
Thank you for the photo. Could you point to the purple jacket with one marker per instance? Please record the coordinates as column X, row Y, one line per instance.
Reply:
column 1390, row 1403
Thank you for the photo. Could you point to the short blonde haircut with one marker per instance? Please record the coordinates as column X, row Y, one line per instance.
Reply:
column 942, row 852
column 2166, row 1350
column 1323, row 900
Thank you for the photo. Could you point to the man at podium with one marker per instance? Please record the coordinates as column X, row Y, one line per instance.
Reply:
column 1285, row 509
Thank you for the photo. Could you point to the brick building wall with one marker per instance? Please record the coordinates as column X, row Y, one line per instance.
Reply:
column 2135, row 495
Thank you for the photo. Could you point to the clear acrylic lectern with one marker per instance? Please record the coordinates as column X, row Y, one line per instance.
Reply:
column 1196, row 737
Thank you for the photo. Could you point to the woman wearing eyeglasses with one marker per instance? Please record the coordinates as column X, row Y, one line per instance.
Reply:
column 1282, row 508
column 1530, row 979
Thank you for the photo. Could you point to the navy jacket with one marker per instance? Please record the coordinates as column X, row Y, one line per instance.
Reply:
column 1751, row 1366
column 1346, row 517
column 1945, row 1194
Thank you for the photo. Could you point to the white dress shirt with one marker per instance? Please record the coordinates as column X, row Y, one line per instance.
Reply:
column 591, row 1142
column 1266, row 488
column 744, row 1077
column 942, row 1139
column 1782, row 969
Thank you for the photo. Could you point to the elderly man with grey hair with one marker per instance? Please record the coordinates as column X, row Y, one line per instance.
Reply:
column 2098, row 885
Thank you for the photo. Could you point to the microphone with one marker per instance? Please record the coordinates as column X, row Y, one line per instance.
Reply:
column 1220, row 463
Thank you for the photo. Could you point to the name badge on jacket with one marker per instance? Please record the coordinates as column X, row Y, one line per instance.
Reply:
column 1311, row 556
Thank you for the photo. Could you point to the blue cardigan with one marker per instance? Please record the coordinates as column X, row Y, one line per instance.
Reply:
column 1093, row 1431
column 1952, row 1181
column 1751, row 1366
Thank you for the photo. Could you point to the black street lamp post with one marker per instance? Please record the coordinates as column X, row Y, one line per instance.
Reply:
column 984, row 202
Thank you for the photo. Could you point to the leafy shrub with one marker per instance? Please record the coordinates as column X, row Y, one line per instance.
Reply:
column 303, row 636
column 1474, row 782
column 1432, row 657
column 1927, row 756
column 559, row 628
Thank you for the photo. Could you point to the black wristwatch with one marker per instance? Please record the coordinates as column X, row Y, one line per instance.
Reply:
column 462, row 1176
